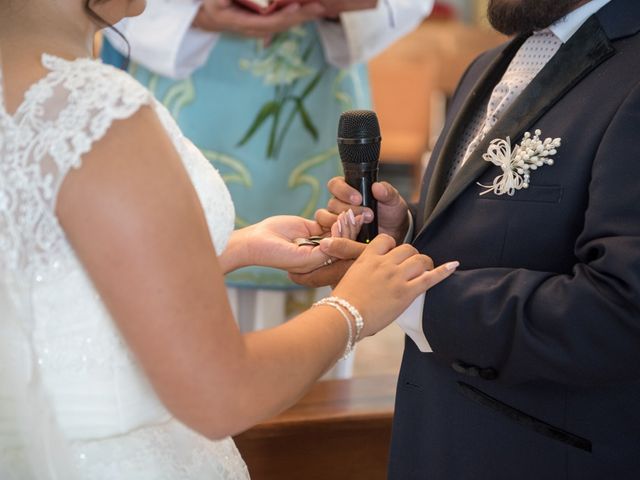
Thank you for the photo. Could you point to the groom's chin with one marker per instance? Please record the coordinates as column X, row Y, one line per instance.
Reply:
column 513, row 17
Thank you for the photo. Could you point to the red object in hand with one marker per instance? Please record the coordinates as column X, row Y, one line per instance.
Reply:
column 442, row 11
column 274, row 5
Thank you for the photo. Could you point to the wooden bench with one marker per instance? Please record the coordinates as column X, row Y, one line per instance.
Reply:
column 340, row 430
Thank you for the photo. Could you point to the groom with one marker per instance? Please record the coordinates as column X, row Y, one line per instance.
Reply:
column 535, row 370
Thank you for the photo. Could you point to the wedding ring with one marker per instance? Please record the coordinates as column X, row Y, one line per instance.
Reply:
column 307, row 242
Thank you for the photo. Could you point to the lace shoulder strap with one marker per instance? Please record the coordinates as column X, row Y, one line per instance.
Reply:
column 96, row 95
column 62, row 116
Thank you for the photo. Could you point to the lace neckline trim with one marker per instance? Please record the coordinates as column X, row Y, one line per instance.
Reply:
column 54, row 65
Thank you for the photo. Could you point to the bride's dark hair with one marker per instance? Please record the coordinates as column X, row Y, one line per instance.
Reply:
column 100, row 21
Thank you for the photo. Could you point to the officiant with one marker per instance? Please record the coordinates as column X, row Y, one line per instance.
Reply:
column 261, row 96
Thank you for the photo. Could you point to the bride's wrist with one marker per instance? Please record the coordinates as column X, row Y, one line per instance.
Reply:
column 352, row 317
column 240, row 250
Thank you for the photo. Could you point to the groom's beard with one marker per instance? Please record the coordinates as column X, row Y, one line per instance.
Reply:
column 525, row 16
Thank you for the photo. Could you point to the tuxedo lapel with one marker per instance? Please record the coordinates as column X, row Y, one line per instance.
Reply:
column 474, row 100
column 575, row 59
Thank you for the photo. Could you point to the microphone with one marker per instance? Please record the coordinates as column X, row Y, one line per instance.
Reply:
column 359, row 146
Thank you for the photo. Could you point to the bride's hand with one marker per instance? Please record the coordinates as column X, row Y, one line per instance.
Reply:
column 271, row 242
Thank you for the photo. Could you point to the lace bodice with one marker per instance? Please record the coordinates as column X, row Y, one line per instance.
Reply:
column 97, row 393
column 60, row 119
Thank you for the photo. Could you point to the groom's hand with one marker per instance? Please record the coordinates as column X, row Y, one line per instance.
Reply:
column 393, row 217
column 343, row 253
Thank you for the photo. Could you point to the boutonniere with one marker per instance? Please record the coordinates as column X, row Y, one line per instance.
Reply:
column 518, row 162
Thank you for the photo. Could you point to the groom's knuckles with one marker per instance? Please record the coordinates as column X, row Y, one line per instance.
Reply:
column 336, row 206
column 341, row 190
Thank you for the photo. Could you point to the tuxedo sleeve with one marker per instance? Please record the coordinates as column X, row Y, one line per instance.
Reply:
column 581, row 327
column 361, row 35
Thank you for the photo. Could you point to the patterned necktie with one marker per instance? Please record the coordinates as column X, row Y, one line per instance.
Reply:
column 532, row 56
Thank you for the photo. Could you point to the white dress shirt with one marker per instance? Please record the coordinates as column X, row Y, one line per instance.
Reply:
column 411, row 320
column 162, row 39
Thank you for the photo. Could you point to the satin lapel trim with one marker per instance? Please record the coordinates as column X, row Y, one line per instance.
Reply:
column 580, row 55
column 476, row 96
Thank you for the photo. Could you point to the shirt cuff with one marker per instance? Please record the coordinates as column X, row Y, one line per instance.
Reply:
column 409, row 236
column 363, row 34
column 334, row 43
column 410, row 321
column 194, row 51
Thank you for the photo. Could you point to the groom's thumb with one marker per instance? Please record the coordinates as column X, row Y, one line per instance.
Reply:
column 386, row 193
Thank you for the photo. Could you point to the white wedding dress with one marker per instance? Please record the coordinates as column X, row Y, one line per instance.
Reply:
column 74, row 402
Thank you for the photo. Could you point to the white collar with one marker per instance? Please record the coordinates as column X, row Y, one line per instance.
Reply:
column 568, row 25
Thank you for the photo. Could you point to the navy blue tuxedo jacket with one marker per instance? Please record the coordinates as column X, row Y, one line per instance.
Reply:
column 536, row 366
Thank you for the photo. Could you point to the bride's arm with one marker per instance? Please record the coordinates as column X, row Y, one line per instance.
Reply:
column 236, row 255
column 135, row 221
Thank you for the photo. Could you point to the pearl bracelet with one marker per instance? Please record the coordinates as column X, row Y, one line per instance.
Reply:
column 341, row 305
column 350, row 341
column 353, row 311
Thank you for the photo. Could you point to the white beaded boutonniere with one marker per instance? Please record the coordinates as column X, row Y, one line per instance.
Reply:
column 518, row 162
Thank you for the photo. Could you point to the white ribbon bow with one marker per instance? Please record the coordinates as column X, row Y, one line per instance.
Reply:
column 518, row 163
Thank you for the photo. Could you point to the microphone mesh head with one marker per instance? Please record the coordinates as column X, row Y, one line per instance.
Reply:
column 359, row 125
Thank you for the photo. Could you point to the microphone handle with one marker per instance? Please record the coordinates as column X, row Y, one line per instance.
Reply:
column 361, row 176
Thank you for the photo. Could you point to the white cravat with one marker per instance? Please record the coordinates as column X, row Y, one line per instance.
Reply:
column 532, row 56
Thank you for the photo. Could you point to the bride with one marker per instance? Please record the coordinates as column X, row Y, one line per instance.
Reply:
column 119, row 356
